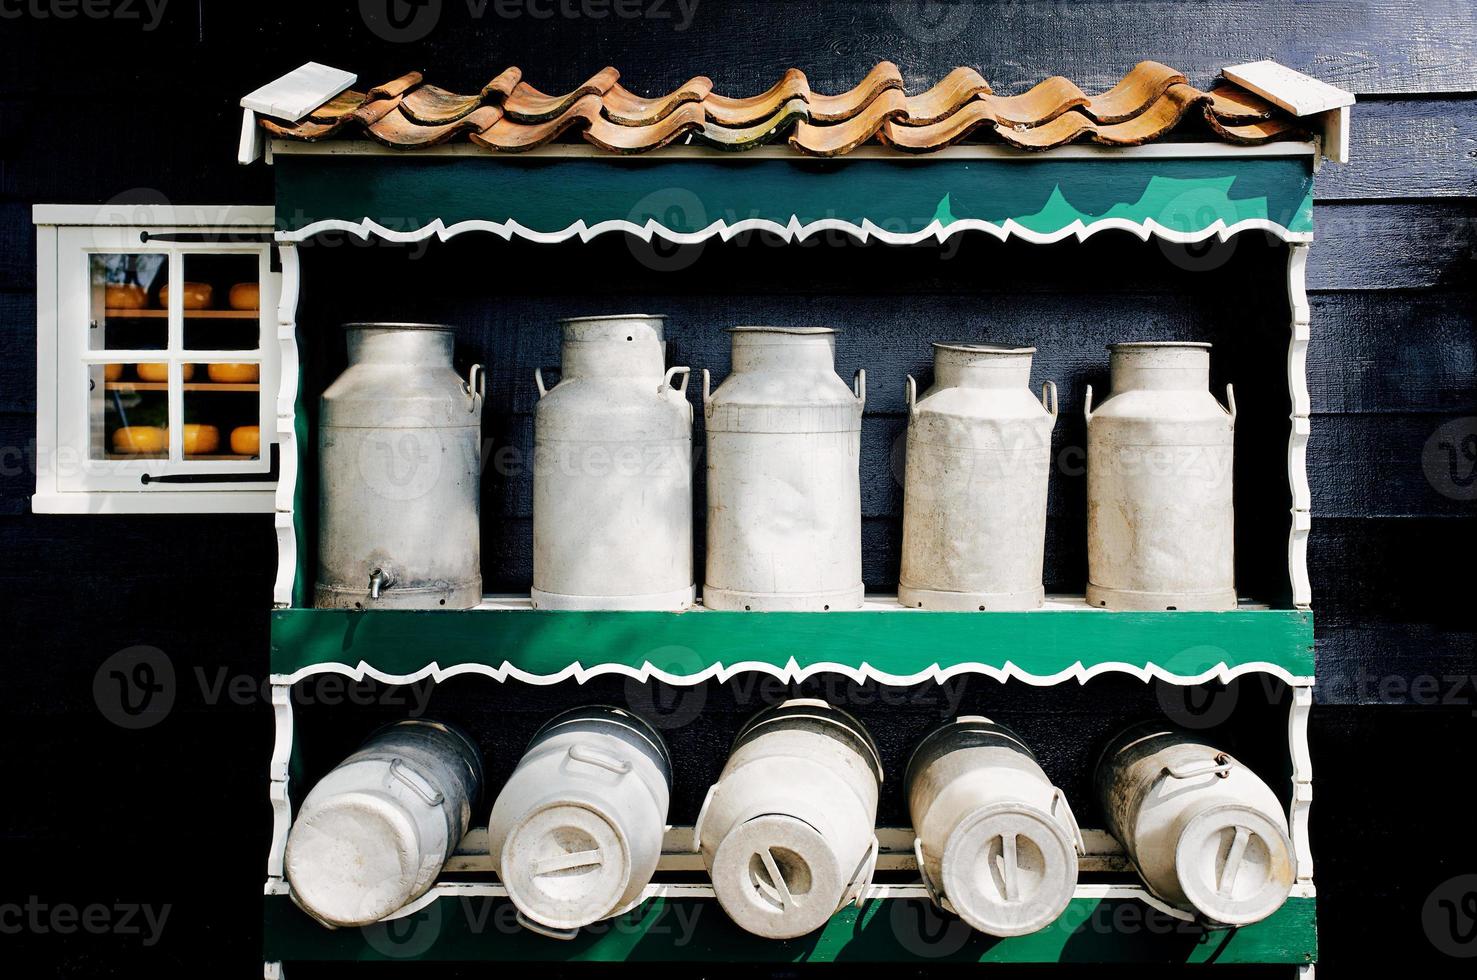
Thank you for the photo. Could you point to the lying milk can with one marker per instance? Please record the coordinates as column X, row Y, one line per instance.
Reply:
column 374, row 833
column 1159, row 511
column 787, row 833
column 1205, row 833
column 974, row 505
column 399, row 455
column 612, row 478
column 576, row 833
column 997, row 843
column 784, row 493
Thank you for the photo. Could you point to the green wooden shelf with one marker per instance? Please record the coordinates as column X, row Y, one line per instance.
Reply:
column 1065, row 641
column 883, row 930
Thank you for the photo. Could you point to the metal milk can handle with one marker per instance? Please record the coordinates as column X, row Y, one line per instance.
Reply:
column 1048, row 399
column 859, row 385
column 598, row 759
column 1231, row 401
column 686, row 373
column 1060, row 798
column 707, row 392
column 912, row 395
column 475, row 386
column 1087, row 405
column 413, row 781
column 538, row 379
column 547, row 931
column 1220, row 766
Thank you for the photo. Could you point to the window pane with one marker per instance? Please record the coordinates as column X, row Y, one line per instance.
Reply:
column 221, row 416
column 221, row 301
column 126, row 310
column 129, row 414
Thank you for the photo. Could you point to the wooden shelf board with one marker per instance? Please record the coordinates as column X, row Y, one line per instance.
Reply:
column 1066, row 640
column 201, row 458
column 188, row 386
column 114, row 313
column 881, row 930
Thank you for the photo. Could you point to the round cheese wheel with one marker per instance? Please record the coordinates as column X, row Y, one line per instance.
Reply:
column 246, row 440
column 142, row 439
column 234, row 373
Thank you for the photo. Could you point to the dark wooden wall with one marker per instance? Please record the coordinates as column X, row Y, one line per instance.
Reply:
column 93, row 110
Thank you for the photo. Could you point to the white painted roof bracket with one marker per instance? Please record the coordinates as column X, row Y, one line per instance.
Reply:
column 1325, row 106
column 288, row 98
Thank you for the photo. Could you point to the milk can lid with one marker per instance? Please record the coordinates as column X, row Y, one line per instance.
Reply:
column 398, row 326
column 802, row 331
column 610, row 317
column 778, row 877
column 1149, row 344
column 1009, row 869
column 353, row 860
column 566, row 866
column 1234, row 864
column 980, row 347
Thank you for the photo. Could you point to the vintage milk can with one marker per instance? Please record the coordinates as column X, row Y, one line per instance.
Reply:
column 997, row 843
column 399, row 451
column 576, row 832
column 1160, row 531
column 788, row 831
column 974, row 506
column 374, row 833
column 1206, row 834
column 784, row 493
column 612, row 478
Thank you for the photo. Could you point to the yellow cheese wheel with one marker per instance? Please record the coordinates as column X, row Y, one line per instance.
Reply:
column 238, row 374
column 246, row 440
column 245, row 296
column 141, row 439
column 201, row 440
column 196, row 295
column 125, row 297
column 160, row 372
column 112, row 372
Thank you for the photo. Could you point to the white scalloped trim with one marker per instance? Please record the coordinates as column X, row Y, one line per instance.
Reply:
column 795, row 231
column 792, row 672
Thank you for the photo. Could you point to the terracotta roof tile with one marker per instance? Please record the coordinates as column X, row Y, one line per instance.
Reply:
column 509, row 115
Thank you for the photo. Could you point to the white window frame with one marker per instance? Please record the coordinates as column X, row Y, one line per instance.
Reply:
column 68, row 480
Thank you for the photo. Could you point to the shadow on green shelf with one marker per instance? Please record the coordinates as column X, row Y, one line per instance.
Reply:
column 1066, row 641
column 1091, row 930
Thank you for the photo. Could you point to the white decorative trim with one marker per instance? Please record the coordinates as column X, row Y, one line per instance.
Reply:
column 279, row 774
column 237, row 217
column 793, row 230
column 1297, row 444
column 1302, row 781
column 699, row 151
column 289, row 453
column 792, row 672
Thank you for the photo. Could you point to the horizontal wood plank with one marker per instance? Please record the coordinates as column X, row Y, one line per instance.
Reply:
column 1406, row 148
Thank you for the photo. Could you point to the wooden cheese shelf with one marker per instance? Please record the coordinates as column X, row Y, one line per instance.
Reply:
column 210, row 458
column 127, row 386
column 1066, row 640
column 116, row 313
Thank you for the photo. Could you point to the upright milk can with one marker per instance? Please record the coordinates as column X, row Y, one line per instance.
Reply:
column 399, row 455
column 1160, row 529
column 576, row 833
column 373, row 834
column 997, row 842
column 788, row 831
column 784, row 493
column 1206, row 834
column 612, row 478
column 974, row 506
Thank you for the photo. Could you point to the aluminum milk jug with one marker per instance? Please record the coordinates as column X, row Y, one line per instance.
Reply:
column 1160, row 528
column 974, row 505
column 373, row 835
column 576, row 832
column 612, row 477
column 997, row 843
column 784, row 492
column 399, row 456
column 788, row 831
column 1206, row 834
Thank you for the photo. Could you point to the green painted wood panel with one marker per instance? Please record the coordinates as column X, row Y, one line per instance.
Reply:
column 895, row 645
column 1091, row 930
column 550, row 195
